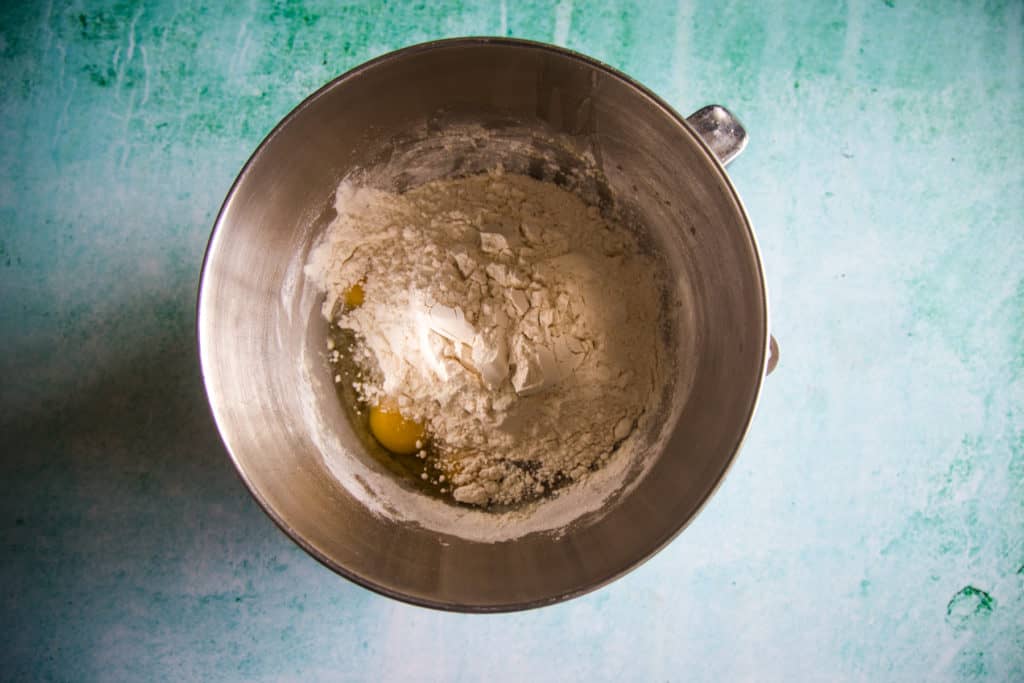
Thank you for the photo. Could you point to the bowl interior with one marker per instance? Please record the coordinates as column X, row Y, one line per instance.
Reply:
column 260, row 331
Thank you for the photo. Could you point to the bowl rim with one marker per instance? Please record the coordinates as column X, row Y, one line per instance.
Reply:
column 355, row 72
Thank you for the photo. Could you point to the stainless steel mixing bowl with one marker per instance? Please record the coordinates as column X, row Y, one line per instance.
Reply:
column 254, row 322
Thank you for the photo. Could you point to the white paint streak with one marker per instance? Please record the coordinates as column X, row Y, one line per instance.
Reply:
column 503, row 20
column 126, row 146
column 852, row 42
column 145, row 73
column 563, row 22
column 62, row 120
column 62, row 57
column 243, row 54
column 774, row 85
column 119, row 69
column 121, row 66
column 47, row 31
column 131, row 37
column 1014, row 37
column 240, row 43
column 681, row 50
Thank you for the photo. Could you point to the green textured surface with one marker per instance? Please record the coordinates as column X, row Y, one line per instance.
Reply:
column 873, row 528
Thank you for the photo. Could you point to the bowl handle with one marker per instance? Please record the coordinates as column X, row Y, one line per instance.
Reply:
column 773, row 354
column 726, row 137
column 722, row 131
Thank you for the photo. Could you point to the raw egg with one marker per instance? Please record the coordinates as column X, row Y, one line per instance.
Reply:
column 394, row 432
column 354, row 296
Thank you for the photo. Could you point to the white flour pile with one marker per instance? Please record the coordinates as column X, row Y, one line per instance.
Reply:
column 510, row 319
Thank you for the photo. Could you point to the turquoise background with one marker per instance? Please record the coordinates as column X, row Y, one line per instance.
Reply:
column 873, row 527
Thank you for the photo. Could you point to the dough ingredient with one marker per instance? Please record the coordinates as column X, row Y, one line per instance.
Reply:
column 499, row 319
column 395, row 432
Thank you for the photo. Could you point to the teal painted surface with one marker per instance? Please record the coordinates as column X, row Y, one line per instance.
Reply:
column 873, row 528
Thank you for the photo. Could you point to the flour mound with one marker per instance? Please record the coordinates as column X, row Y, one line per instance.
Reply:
column 505, row 314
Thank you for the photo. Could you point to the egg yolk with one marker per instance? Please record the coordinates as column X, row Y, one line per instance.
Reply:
column 354, row 296
column 394, row 432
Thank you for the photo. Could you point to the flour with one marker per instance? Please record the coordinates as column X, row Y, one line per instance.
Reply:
column 511, row 319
